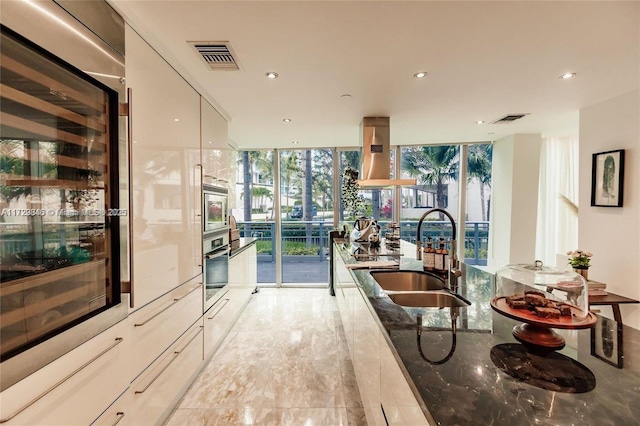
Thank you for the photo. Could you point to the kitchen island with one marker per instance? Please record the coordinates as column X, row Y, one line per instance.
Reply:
column 486, row 377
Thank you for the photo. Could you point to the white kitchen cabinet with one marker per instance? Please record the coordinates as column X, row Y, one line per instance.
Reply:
column 157, row 325
column 217, row 321
column 156, row 269
column 366, row 359
column 88, row 379
column 397, row 398
column 166, row 186
column 119, row 413
column 386, row 395
column 218, row 157
column 161, row 386
column 216, row 165
column 243, row 278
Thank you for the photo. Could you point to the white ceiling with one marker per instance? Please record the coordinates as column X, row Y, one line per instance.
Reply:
column 484, row 59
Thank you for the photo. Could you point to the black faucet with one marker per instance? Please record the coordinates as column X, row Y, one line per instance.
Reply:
column 453, row 269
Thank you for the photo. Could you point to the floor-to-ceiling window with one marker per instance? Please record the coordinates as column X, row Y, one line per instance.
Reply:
column 306, row 210
column 292, row 228
column 254, row 208
column 435, row 168
column 478, row 195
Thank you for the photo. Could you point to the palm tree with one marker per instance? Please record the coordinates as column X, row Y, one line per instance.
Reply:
column 251, row 161
column 247, row 181
column 479, row 167
column 289, row 172
column 432, row 165
column 323, row 177
column 261, row 193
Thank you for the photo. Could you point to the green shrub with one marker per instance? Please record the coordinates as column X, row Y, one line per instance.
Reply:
column 264, row 247
column 294, row 248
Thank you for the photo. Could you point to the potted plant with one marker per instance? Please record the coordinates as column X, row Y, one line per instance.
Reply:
column 580, row 261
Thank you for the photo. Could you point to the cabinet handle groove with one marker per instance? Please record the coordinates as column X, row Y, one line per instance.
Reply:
column 190, row 340
column 120, row 415
column 73, row 373
column 173, row 302
column 222, row 305
column 175, row 356
column 130, row 286
column 384, row 415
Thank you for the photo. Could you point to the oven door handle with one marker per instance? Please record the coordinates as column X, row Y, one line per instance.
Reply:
column 217, row 253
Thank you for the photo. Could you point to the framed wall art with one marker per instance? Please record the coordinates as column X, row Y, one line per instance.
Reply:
column 606, row 341
column 607, row 178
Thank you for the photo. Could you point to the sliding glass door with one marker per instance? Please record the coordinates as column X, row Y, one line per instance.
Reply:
column 306, row 212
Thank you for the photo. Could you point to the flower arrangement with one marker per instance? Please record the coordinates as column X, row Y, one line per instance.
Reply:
column 579, row 259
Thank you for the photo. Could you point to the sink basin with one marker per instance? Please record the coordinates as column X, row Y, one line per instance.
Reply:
column 407, row 280
column 428, row 299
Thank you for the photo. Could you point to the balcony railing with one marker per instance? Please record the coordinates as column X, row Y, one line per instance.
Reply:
column 310, row 238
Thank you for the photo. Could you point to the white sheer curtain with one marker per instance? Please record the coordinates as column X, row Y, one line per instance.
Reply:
column 557, row 227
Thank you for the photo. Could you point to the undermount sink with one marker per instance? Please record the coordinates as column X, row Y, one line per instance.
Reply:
column 417, row 289
column 428, row 299
column 407, row 280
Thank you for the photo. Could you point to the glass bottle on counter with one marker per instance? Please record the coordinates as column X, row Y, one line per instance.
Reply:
column 429, row 256
column 439, row 257
column 445, row 255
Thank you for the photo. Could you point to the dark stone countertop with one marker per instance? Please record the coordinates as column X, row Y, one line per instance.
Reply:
column 471, row 388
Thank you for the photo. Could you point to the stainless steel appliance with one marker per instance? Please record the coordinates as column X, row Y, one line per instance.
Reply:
column 376, row 154
column 216, row 267
column 215, row 242
column 216, row 209
column 60, row 129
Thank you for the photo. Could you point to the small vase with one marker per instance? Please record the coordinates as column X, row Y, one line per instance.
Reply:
column 582, row 271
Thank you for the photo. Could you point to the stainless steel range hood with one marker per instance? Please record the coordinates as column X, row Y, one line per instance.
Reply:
column 376, row 159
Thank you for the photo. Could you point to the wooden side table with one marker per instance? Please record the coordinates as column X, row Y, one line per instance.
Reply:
column 614, row 300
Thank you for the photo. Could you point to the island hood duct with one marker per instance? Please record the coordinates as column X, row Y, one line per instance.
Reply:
column 376, row 158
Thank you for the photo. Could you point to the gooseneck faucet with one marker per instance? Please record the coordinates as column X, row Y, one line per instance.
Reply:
column 453, row 269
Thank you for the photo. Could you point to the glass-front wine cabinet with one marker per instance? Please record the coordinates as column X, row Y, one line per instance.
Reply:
column 59, row 215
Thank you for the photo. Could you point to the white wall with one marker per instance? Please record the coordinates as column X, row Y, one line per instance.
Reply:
column 514, row 200
column 613, row 234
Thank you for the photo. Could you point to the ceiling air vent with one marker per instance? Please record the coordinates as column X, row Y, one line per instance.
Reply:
column 218, row 55
column 509, row 118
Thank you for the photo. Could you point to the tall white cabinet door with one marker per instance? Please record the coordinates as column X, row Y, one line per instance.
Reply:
column 166, row 186
column 218, row 157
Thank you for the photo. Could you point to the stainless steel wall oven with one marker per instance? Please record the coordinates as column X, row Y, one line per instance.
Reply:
column 59, row 211
column 215, row 242
column 216, row 267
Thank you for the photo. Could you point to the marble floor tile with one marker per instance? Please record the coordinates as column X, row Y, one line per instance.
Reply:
column 285, row 362
column 213, row 417
column 228, row 385
column 303, row 417
column 312, row 384
column 349, row 384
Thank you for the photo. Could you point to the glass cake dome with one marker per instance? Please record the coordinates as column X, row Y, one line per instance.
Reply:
column 543, row 299
column 557, row 297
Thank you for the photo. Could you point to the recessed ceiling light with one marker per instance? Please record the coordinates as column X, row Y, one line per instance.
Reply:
column 491, row 133
column 295, row 142
column 346, row 95
column 176, row 119
column 568, row 75
column 421, row 74
column 479, row 122
column 210, row 142
column 271, row 75
column 286, row 120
